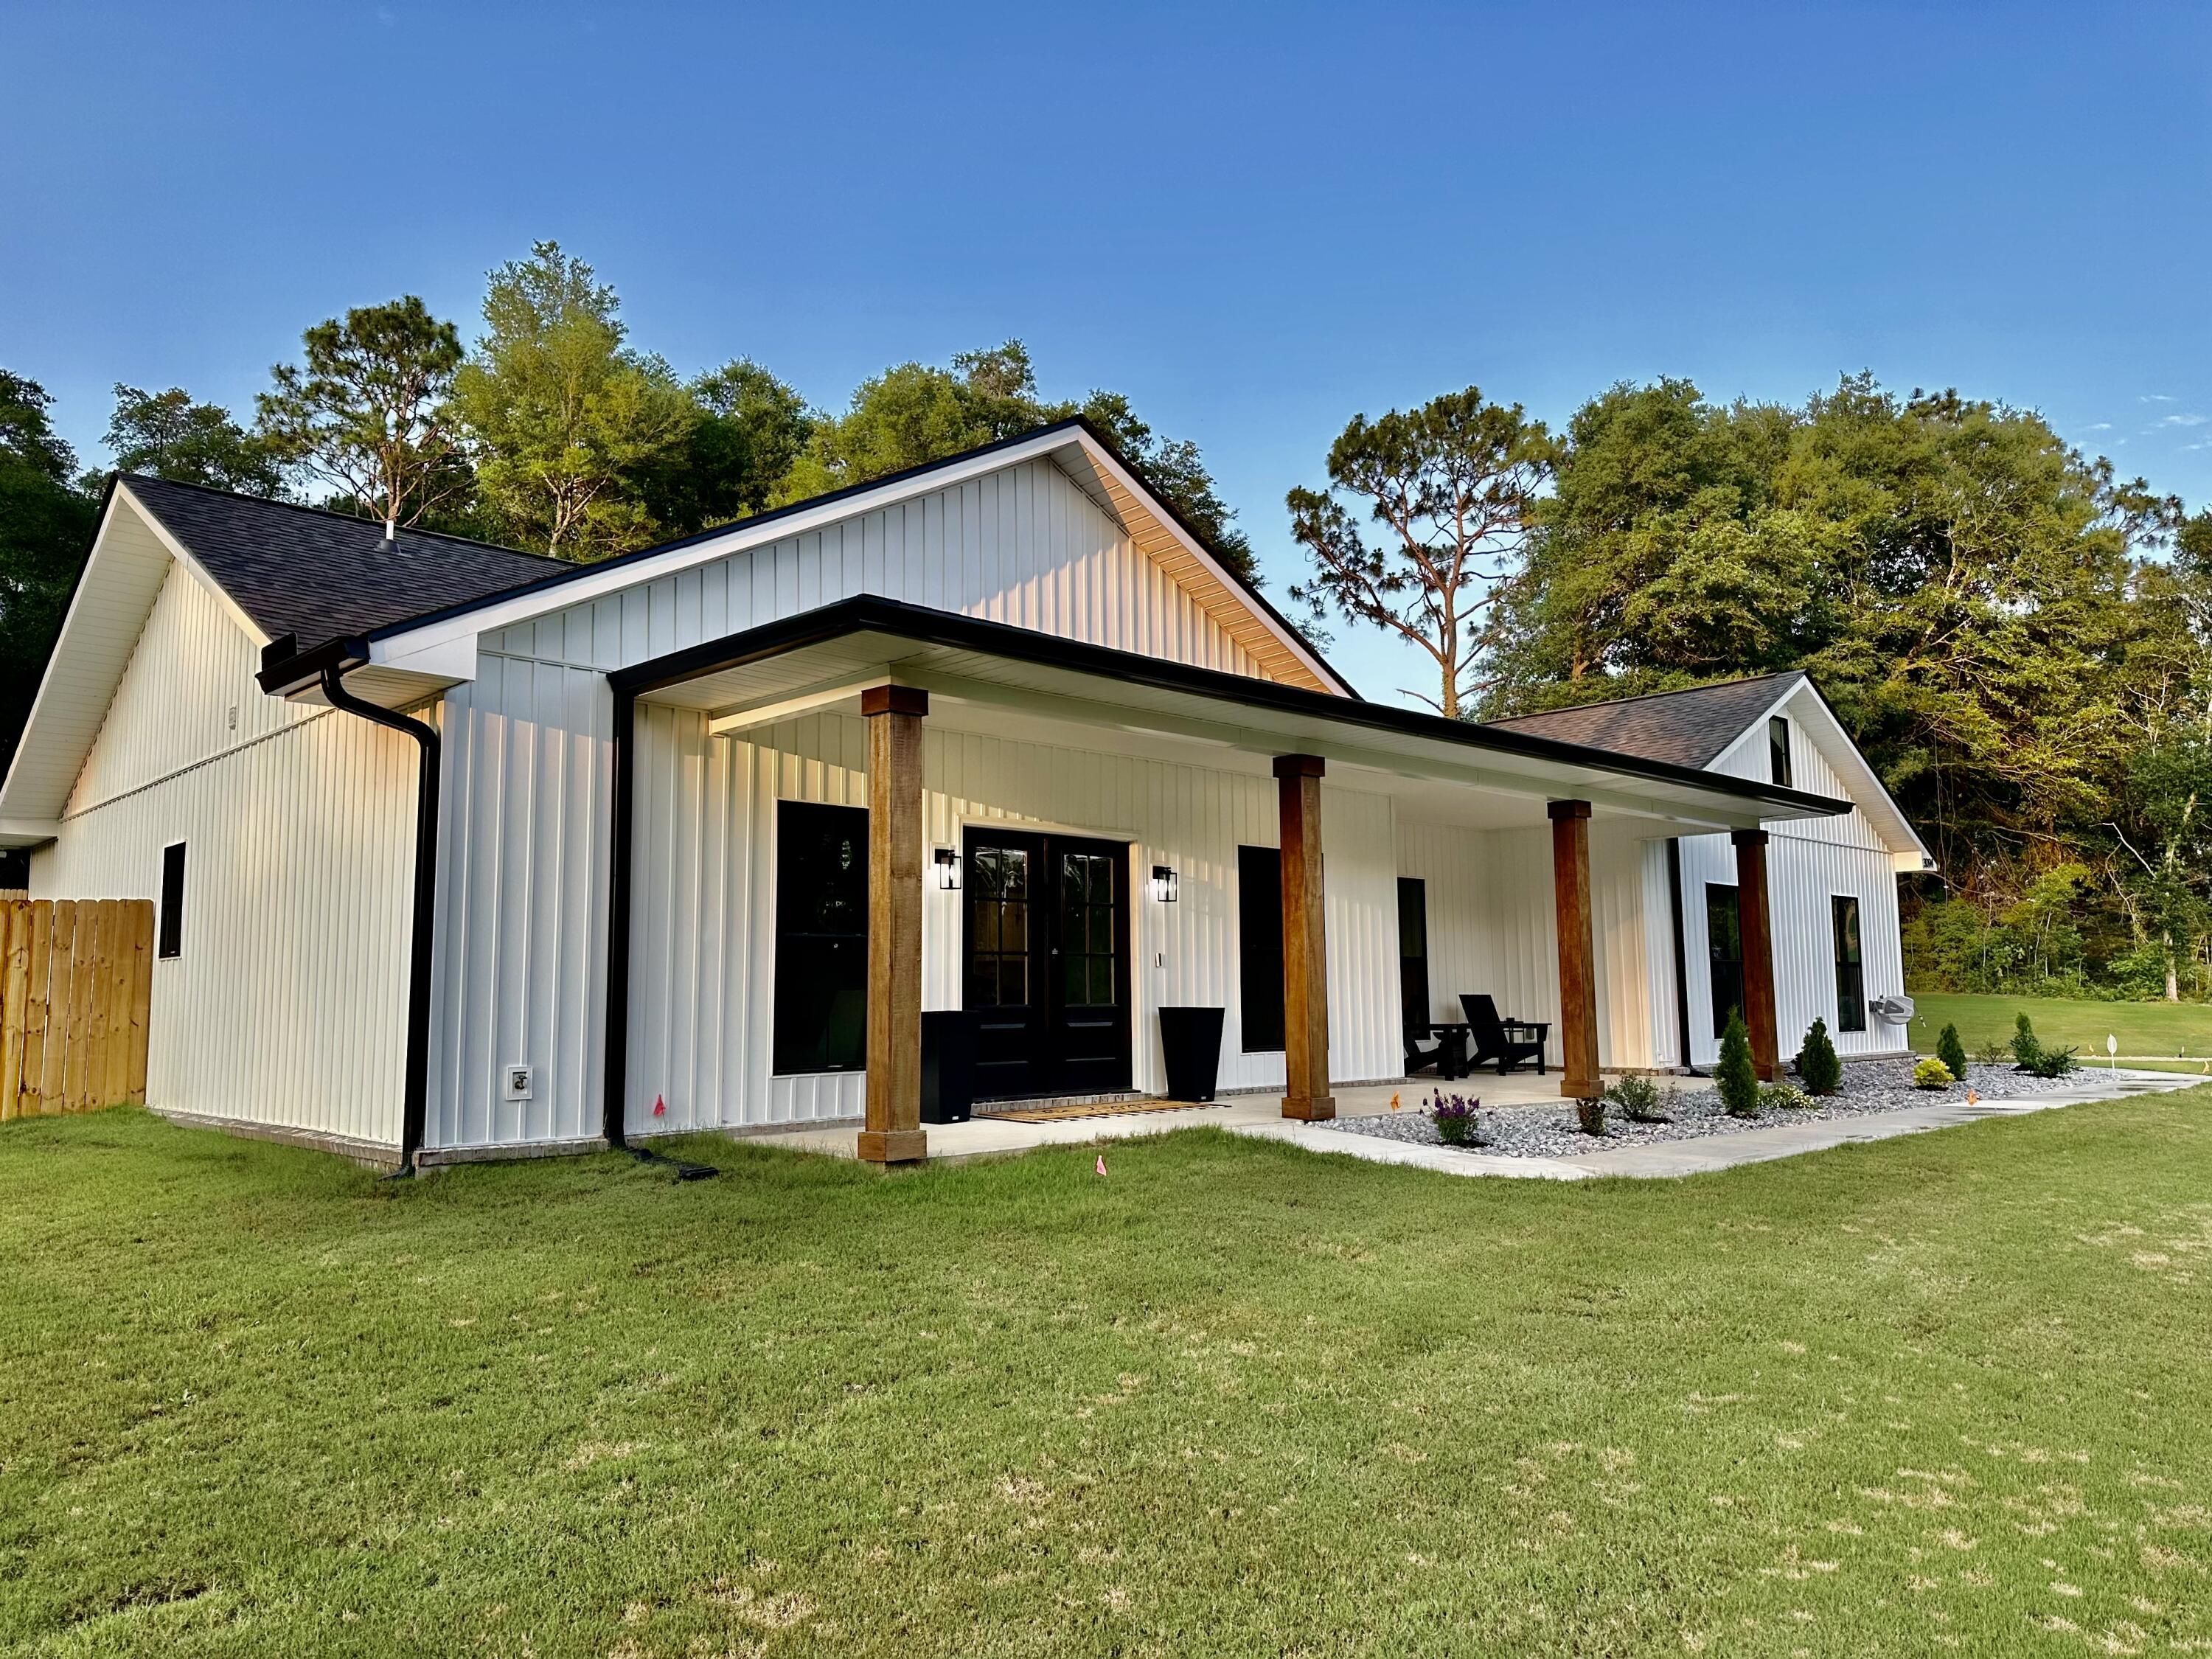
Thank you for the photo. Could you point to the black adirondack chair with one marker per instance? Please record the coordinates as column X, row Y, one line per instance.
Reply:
column 1511, row 1042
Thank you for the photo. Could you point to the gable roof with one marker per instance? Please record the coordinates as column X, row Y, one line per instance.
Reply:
column 321, row 575
column 1696, row 727
column 1690, row 728
column 1078, row 448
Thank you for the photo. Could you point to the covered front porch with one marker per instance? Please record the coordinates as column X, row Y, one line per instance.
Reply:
column 1206, row 803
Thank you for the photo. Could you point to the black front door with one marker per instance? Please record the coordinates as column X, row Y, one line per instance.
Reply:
column 1045, row 963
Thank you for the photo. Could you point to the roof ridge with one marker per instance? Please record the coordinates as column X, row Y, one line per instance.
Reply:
column 327, row 512
column 1650, row 696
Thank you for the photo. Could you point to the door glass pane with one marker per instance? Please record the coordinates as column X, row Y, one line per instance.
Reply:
column 998, row 938
column 1086, row 930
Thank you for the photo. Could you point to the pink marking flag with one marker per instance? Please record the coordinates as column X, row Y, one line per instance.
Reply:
column 1101, row 1164
column 660, row 1106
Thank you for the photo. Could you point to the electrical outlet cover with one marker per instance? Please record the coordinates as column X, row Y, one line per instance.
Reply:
column 518, row 1082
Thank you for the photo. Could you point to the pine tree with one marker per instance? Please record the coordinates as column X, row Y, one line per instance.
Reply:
column 1952, row 1052
column 1822, row 1071
column 1735, row 1077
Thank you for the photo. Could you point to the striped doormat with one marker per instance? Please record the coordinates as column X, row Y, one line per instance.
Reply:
column 1099, row 1109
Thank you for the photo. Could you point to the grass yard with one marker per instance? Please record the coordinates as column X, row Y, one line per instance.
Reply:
column 1948, row 1392
column 2143, row 1028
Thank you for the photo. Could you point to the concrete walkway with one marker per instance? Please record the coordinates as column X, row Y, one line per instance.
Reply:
column 1261, row 1117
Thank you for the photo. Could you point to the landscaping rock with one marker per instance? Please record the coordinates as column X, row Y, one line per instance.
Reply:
column 1548, row 1129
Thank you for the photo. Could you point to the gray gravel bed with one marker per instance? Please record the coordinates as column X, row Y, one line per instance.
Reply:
column 1548, row 1130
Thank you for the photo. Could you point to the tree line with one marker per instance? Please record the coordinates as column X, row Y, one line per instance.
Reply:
column 2014, row 633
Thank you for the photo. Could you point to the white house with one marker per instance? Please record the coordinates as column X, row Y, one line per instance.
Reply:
column 709, row 827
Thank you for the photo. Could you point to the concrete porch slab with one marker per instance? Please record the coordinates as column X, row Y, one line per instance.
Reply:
column 1260, row 1116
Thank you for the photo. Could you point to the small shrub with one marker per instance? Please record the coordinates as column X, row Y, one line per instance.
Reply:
column 1817, row 1063
column 1992, row 1052
column 1589, row 1115
column 1932, row 1073
column 1456, row 1120
column 2051, row 1062
column 1733, row 1077
column 2026, row 1049
column 1638, row 1097
column 1786, row 1096
column 1952, row 1052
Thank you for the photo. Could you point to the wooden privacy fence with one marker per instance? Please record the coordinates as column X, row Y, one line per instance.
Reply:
column 77, row 979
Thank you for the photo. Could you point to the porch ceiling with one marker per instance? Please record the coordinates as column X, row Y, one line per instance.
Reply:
column 990, row 677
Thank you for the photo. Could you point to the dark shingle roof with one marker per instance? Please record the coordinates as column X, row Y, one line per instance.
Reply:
column 323, row 575
column 1690, row 728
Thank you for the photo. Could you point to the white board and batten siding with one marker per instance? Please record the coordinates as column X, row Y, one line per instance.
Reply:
column 702, row 965
column 1809, row 862
column 286, row 1006
column 522, row 966
column 1493, row 926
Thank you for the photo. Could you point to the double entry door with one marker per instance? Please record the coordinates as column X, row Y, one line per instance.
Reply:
column 1045, row 963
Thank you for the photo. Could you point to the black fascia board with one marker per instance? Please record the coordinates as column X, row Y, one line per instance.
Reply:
column 870, row 613
column 1072, row 423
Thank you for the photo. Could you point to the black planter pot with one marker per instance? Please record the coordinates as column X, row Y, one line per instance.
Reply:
column 1190, row 1044
column 948, row 1066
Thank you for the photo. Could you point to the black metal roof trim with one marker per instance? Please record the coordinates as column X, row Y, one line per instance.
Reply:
column 572, row 572
column 869, row 613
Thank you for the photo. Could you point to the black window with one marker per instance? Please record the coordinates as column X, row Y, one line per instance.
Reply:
column 820, row 938
column 1850, row 970
column 1778, row 750
column 1413, row 950
column 1260, row 946
column 171, row 940
column 1088, row 957
column 1725, row 944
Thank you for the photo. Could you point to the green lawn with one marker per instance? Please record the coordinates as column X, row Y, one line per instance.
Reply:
column 2143, row 1028
column 1948, row 1392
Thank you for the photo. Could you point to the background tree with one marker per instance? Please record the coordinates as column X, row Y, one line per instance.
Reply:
column 45, row 530
column 569, row 424
column 749, row 430
column 1453, row 485
column 1987, row 608
column 370, row 415
column 168, row 435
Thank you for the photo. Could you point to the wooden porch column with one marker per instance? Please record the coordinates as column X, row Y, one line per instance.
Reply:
column 1755, row 921
column 1570, row 893
column 1305, row 955
column 892, row 1132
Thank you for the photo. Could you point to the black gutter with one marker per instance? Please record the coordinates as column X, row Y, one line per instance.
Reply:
column 615, row 1079
column 867, row 613
column 1073, row 422
column 415, row 1086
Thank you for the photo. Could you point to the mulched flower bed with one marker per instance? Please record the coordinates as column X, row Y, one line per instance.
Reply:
column 1544, row 1130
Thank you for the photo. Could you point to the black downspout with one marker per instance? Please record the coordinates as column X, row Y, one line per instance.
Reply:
column 614, row 1082
column 1681, row 956
column 415, row 1098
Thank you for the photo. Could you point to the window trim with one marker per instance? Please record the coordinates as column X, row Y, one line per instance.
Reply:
column 169, row 917
column 1244, row 1001
column 1780, row 761
column 1836, row 901
column 776, row 936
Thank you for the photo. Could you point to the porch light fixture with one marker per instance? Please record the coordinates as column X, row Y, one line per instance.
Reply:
column 1163, row 884
column 948, row 869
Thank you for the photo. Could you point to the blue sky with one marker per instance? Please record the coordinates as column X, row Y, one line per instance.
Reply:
column 1254, row 220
